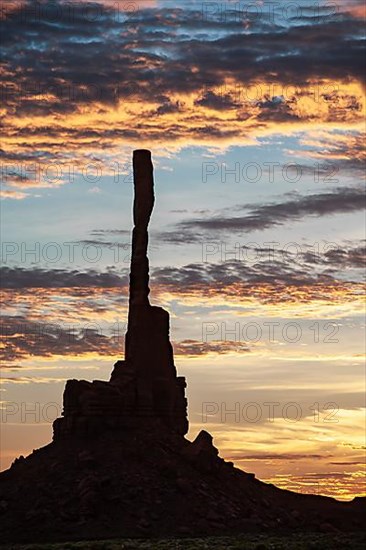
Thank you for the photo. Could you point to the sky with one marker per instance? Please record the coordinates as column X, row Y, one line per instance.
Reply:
column 254, row 113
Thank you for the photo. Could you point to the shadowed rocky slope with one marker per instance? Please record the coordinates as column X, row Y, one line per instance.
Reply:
column 119, row 464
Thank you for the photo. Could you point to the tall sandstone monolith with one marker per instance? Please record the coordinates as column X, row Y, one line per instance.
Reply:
column 144, row 389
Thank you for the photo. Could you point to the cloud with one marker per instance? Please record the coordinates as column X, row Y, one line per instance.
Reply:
column 31, row 380
column 348, row 463
column 95, row 190
column 343, row 485
column 194, row 348
column 18, row 278
column 9, row 194
column 74, row 312
column 336, row 152
column 216, row 101
column 288, row 457
column 22, row 338
column 166, row 75
column 263, row 216
column 342, row 258
column 272, row 275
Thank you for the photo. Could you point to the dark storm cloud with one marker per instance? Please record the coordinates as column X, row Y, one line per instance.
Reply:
column 262, row 216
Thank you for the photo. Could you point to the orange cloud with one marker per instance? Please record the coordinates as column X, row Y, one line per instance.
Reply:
column 105, row 148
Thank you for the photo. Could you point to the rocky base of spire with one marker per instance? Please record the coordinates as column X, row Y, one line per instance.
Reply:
column 144, row 390
column 123, row 403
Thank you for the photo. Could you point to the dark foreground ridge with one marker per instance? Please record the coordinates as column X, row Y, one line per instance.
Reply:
column 119, row 464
